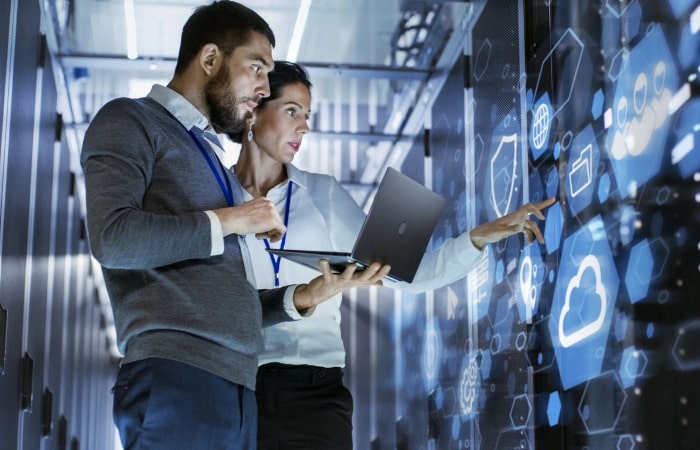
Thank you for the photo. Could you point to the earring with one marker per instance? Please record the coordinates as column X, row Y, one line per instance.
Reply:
column 250, row 133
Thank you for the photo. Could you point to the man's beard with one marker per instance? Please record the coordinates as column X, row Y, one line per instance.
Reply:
column 223, row 104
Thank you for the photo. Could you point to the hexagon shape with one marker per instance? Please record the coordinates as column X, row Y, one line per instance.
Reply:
column 639, row 270
column 583, row 304
column 597, row 416
column 520, row 411
column 553, row 227
column 553, row 408
column 633, row 365
column 568, row 46
column 483, row 57
column 685, row 350
column 597, row 106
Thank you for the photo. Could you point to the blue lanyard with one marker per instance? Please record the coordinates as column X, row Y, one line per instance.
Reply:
column 276, row 260
column 225, row 188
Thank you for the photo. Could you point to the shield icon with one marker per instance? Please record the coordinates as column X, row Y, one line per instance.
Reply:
column 503, row 175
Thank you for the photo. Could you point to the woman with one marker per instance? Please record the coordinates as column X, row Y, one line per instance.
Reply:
column 302, row 402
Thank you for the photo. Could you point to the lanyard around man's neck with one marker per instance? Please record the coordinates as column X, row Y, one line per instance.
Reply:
column 221, row 178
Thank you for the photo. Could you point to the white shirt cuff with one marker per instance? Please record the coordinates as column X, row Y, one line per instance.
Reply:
column 217, row 234
column 289, row 304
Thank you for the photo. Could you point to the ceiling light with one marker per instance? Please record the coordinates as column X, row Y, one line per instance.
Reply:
column 299, row 26
column 130, row 21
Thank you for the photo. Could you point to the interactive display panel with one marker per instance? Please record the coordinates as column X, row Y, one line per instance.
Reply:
column 592, row 339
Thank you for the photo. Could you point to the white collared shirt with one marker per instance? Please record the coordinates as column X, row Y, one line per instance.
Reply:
column 323, row 216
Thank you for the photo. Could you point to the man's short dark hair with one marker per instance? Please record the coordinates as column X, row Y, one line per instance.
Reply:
column 225, row 23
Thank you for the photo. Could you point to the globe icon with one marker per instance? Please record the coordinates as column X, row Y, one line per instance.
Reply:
column 540, row 126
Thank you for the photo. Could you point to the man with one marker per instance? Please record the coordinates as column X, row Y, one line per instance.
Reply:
column 162, row 223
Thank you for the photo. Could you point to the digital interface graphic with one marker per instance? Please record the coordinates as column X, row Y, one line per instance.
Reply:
column 592, row 339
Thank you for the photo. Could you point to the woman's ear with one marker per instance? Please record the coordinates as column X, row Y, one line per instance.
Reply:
column 250, row 121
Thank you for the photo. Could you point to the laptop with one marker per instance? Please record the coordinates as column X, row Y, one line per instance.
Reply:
column 396, row 231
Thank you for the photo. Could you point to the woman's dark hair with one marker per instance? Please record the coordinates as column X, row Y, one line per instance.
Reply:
column 224, row 23
column 284, row 74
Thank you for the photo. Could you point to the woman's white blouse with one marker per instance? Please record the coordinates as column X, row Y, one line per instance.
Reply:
column 323, row 216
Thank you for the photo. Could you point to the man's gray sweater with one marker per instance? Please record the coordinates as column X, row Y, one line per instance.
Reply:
column 147, row 187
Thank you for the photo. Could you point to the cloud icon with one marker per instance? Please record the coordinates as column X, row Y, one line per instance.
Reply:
column 634, row 134
column 571, row 338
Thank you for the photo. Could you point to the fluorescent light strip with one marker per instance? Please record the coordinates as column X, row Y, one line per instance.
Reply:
column 695, row 20
column 130, row 21
column 299, row 26
column 683, row 148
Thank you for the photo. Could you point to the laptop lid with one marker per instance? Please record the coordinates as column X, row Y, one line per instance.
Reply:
column 399, row 225
column 396, row 231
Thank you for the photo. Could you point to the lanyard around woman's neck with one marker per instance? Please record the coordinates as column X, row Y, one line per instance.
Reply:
column 223, row 181
column 277, row 260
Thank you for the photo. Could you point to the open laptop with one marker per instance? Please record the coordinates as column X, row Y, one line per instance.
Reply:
column 396, row 231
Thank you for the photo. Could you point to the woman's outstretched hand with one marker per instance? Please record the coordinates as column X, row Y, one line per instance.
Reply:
column 516, row 222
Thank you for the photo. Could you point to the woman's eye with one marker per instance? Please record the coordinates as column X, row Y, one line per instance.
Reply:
column 291, row 112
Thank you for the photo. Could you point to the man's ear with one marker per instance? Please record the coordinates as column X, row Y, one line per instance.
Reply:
column 210, row 58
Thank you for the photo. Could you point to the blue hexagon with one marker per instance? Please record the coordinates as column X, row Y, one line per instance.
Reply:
column 553, row 408
column 597, row 107
column 604, row 188
column 583, row 304
column 632, row 366
column 625, row 442
column 485, row 366
column 650, row 330
column 621, row 325
column 552, row 181
column 553, row 227
column 639, row 271
column 557, row 151
column 618, row 64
